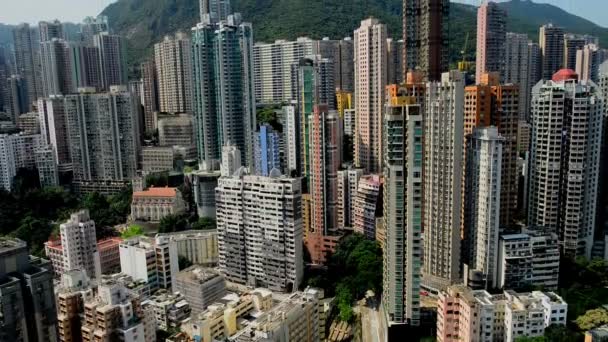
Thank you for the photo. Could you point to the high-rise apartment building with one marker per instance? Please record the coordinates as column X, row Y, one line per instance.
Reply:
column 403, row 210
column 425, row 34
column 112, row 59
column 224, row 99
column 75, row 288
column 102, row 134
column 482, row 207
column 267, row 154
column 46, row 164
column 588, row 60
column 92, row 26
column 370, row 81
column 292, row 138
column 443, row 180
column 54, row 129
column 50, row 29
column 522, row 67
column 272, row 66
column 491, row 36
column 28, row 301
column 348, row 182
column 173, row 60
column 27, row 62
column 567, row 116
column 340, row 52
column 150, row 94
column 572, row 43
column 313, row 86
column 84, row 66
column 56, row 67
column 178, row 131
column 17, row 151
column 551, row 41
column 493, row 104
column 394, row 66
column 325, row 160
column 260, row 245
column 16, row 97
column 79, row 244
column 214, row 10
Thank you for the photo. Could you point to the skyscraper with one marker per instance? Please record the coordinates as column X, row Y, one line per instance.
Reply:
column 482, row 207
column 272, row 64
column 223, row 93
column 425, row 34
column 491, row 36
column 551, row 41
column 365, row 206
column 173, row 58
column 572, row 43
column 395, row 72
column 102, row 134
column 112, row 59
column 341, row 54
column 215, row 10
column 260, row 247
column 588, row 62
column 292, row 138
column 26, row 61
column 150, row 95
column 567, row 116
column 403, row 202
column 56, row 67
column 267, row 154
column 493, row 104
column 50, row 29
column 16, row 97
column 313, row 85
column 522, row 67
column 325, row 160
column 370, row 80
column 348, row 183
column 92, row 26
column 27, row 299
column 84, row 66
column 443, row 180
column 54, row 128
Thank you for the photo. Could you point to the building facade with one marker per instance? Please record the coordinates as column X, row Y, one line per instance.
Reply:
column 491, row 37
column 173, row 61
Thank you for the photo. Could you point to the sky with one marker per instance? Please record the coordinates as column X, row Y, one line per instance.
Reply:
column 594, row 10
column 32, row 11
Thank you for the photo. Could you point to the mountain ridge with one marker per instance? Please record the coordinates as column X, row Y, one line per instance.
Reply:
column 145, row 22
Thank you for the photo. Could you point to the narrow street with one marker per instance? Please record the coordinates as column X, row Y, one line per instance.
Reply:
column 372, row 323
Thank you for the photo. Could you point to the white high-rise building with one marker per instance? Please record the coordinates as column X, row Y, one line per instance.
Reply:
column 173, row 60
column 348, row 181
column 79, row 244
column 443, row 180
column 482, row 206
column 403, row 204
column 272, row 65
column 567, row 118
column 102, row 134
column 291, row 130
column 588, row 62
column 370, row 60
column 17, row 151
column 259, row 224
column 214, row 10
column 365, row 204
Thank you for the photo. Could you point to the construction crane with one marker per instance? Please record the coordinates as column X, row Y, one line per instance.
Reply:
column 464, row 65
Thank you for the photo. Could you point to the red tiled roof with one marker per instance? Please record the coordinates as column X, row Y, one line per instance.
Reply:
column 156, row 192
column 564, row 74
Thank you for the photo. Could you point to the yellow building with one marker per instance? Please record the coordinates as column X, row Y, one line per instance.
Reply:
column 344, row 100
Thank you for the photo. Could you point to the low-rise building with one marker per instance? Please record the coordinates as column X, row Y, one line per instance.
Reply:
column 157, row 159
column 109, row 255
column 156, row 203
column 75, row 289
column 528, row 259
column 170, row 310
column 204, row 182
column 475, row 315
column 197, row 246
column 200, row 286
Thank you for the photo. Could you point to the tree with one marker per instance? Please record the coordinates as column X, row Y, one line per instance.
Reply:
column 531, row 339
column 592, row 319
column 344, row 302
column 172, row 223
column 132, row 231
column 35, row 232
column 560, row 333
column 204, row 223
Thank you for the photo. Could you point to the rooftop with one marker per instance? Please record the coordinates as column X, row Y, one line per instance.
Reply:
column 156, row 192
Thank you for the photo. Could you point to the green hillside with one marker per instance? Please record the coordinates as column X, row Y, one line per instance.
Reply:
column 145, row 22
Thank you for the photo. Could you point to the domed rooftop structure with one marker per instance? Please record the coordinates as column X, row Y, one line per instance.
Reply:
column 564, row 75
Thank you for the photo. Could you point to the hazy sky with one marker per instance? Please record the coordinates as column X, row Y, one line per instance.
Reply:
column 32, row 11
column 594, row 10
